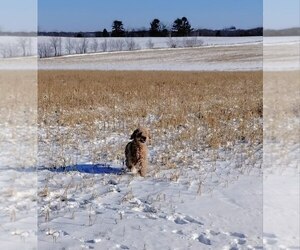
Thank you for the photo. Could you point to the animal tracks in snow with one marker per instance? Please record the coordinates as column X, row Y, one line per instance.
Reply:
column 182, row 219
column 207, row 237
column 271, row 241
column 213, row 238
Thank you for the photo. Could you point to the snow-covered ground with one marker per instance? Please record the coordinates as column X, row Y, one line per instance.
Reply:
column 13, row 46
column 281, row 184
column 91, row 206
column 215, row 53
column 238, row 205
column 92, row 45
column 281, row 53
column 281, row 206
column 191, row 53
column 18, row 176
column 211, row 58
column 215, row 204
column 269, row 40
column 108, row 211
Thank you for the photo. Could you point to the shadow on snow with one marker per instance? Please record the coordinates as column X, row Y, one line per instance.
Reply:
column 89, row 169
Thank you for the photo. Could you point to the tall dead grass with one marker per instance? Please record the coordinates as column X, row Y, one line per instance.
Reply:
column 194, row 109
column 18, row 118
column 281, row 119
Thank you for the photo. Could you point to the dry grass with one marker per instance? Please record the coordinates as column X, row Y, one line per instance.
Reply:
column 281, row 105
column 281, row 119
column 18, row 94
column 174, row 99
column 182, row 109
column 18, row 118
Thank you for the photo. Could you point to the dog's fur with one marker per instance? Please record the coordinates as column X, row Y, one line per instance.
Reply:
column 136, row 151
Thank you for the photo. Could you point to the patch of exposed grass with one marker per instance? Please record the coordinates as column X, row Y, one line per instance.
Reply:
column 182, row 109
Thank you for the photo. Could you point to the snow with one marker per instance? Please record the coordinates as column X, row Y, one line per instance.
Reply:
column 215, row 53
column 14, row 46
column 211, row 58
column 158, row 42
column 281, row 40
column 98, row 206
column 281, row 209
column 118, row 211
column 18, row 221
column 238, row 205
column 281, row 53
column 207, row 53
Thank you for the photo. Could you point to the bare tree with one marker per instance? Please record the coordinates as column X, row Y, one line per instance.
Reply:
column 150, row 44
column 116, row 45
column 131, row 44
column 41, row 50
column 81, row 46
column 56, row 45
column 172, row 43
column 120, row 44
column 3, row 50
column 29, row 47
column 69, row 45
column 8, row 50
column 192, row 42
column 23, row 44
column 77, row 46
column 44, row 49
column 104, row 45
column 94, row 45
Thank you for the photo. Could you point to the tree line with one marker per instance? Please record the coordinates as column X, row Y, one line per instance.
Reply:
column 181, row 27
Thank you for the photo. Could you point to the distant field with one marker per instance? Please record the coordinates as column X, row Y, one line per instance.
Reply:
column 224, row 57
column 200, row 109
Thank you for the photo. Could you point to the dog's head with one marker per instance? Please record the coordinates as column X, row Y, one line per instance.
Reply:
column 141, row 135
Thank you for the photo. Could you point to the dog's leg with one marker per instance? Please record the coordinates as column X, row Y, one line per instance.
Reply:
column 133, row 170
column 143, row 172
column 143, row 168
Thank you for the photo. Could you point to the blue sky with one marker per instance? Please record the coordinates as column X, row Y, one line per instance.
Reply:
column 84, row 15
column 18, row 15
column 90, row 15
column 280, row 14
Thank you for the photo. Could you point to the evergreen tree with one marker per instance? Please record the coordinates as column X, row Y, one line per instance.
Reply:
column 117, row 29
column 105, row 33
column 155, row 28
column 181, row 27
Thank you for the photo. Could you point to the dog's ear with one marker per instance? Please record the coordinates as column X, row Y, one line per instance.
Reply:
column 134, row 134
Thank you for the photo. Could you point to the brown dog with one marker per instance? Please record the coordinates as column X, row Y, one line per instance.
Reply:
column 136, row 151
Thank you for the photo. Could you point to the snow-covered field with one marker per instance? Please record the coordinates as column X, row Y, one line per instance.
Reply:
column 18, row 147
column 281, row 53
column 221, row 199
column 97, row 207
column 68, row 46
column 200, row 53
column 281, row 157
column 189, row 53
column 102, row 210
column 12, row 46
column 227, row 58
